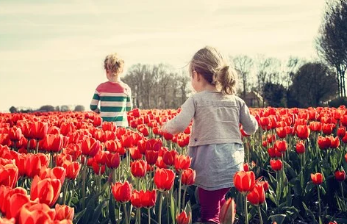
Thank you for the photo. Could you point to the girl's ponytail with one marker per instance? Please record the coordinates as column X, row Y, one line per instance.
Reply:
column 226, row 80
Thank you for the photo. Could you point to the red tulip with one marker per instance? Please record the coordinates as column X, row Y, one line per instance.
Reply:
column 300, row 147
column 328, row 128
column 244, row 181
column 281, row 145
column 108, row 126
column 64, row 212
column 169, row 157
column 138, row 168
column 72, row 169
column 281, row 132
column 164, row 179
column 341, row 131
column 7, row 221
column 15, row 200
column 38, row 130
column 317, row 178
column 182, row 162
column 8, row 175
column 66, row 128
column 276, row 164
column 90, row 147
column 334, row 142
column 54, row 173
column 160, row 163
column 257, row 195
column 53, row 143
column 112, row 160
column 315, row 126
column 36, row 213
column 323, row 142
column 188, row 176
column 142, row 198
column 228, row 211
column 114, row 146
column 183, row 218
column 151, row 156
column 340, row 175
column 122, row 191
column 135, row 153
column 15, row 134
column 302, row 131
column 46, row 190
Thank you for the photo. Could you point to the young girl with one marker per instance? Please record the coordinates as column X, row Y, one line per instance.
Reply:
column 114, row 95
column 215, row 143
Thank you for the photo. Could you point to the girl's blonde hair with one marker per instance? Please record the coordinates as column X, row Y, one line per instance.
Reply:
column 210, row 63
column 113, row 63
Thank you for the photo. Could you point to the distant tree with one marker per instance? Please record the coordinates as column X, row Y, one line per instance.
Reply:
column 65, row 108
column 332, row 42
column 275, row 94
column 291, row 66
column 243, row 65
column 313, row 83
column 47, row 108
column 267, row 71
column 13, row 109
column 57, row 108
column 156, row 86
column 79, row 108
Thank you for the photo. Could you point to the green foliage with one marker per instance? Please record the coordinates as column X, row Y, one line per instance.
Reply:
column 338, row 102
column 275, row 95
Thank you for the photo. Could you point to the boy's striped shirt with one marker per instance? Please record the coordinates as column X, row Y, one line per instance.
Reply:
column 115, row 100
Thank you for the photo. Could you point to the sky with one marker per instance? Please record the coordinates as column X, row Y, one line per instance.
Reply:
column 52, row 52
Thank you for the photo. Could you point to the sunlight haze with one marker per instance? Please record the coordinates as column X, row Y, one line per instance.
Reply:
column 52, row 52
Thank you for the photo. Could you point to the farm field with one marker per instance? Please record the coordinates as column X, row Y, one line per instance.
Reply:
column 69, row 167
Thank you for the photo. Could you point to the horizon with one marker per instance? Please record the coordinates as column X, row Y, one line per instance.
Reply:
column 51, row 53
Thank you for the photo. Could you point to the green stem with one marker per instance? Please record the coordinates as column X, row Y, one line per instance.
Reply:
column 139, row 215
column 319, row 206
column 246, row 210
column 149, row 215
column 160, row 206
column 65, row 191
column 184, row 197
column 84, row 174
column 260, row 217
column 125, row 213
column 179, row 191
column 343, row 197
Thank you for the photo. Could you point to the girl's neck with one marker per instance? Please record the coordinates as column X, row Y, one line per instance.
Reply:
column 209, row 87
column 113, row 78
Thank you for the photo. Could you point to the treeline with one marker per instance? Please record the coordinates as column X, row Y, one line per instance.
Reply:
column 48, row 108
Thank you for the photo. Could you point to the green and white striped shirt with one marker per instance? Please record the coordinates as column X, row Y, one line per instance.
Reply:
column 115, row 100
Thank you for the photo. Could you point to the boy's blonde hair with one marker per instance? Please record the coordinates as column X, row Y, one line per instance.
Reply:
column 210, row 63
column 113, row 63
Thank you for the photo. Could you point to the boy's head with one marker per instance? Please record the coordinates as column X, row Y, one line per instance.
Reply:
column 113, row 64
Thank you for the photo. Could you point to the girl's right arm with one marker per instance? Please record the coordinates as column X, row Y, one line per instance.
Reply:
column 95, row 102
column 182, row 120
column 248, row 121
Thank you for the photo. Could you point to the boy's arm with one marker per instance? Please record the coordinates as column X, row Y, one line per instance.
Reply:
column 95, row 102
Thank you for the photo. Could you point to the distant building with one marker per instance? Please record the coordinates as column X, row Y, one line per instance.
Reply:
column 254, row 99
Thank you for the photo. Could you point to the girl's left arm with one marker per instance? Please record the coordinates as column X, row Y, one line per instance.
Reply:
column 129, row 104
column 182, row 120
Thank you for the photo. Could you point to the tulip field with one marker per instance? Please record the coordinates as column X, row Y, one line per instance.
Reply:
column 70, row 167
